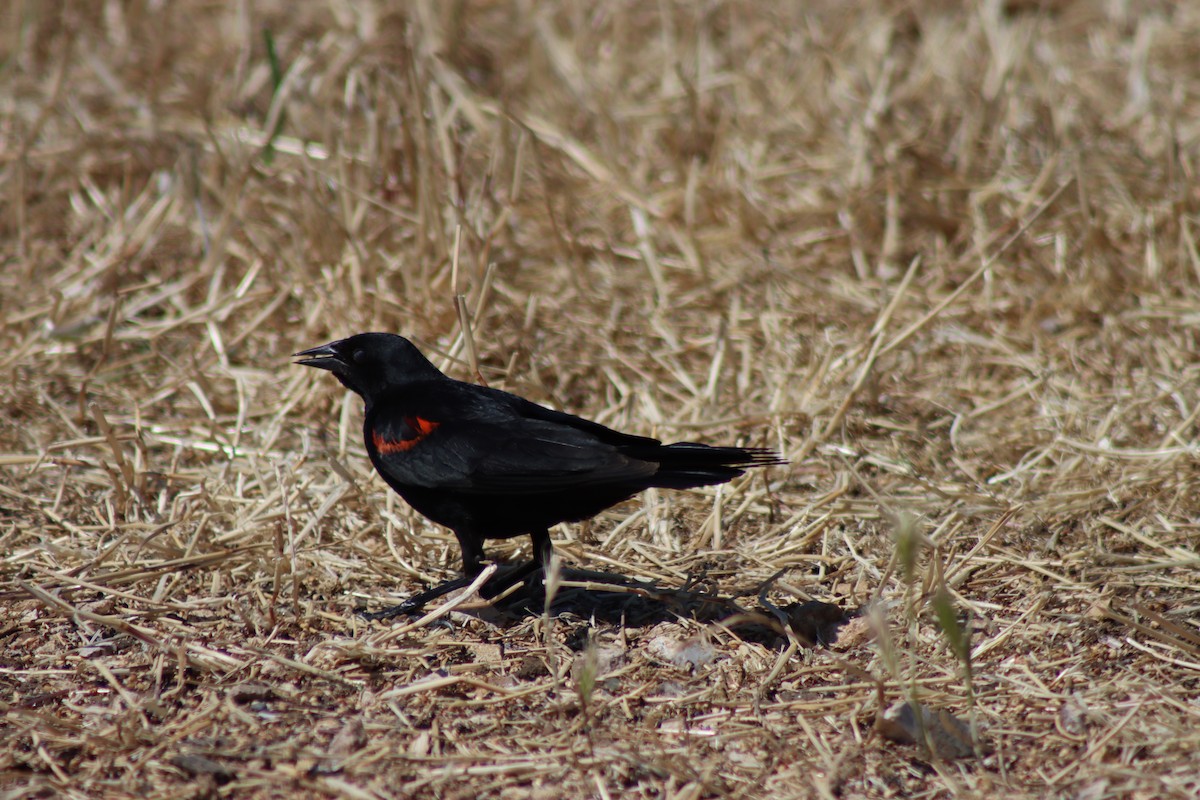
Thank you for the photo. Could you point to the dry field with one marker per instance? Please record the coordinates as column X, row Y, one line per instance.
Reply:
column 941, row 255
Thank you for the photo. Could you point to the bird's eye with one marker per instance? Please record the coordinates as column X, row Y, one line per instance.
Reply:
column 359, row 356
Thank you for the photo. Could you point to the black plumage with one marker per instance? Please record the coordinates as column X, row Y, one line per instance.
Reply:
column 491, row 465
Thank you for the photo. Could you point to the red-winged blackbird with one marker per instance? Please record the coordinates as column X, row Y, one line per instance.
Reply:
column 490, row 465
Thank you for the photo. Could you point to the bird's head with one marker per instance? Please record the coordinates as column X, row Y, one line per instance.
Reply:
column 370, row 363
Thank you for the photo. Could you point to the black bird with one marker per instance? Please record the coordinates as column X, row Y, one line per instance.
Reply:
column 491, row 465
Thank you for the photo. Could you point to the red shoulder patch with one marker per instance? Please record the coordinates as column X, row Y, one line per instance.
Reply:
column 419, row 428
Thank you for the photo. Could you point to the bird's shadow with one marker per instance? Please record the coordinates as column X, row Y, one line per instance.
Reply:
column 619, row 599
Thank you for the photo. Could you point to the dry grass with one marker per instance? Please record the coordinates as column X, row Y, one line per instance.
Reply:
column 945, row 260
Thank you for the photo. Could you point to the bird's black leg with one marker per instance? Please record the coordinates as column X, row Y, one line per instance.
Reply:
column 472, row 548
column 472, row 552
column 542, row 548
column 415, row 603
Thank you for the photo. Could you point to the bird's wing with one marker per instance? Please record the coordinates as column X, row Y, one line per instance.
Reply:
column 531, row 410
column 495, row 454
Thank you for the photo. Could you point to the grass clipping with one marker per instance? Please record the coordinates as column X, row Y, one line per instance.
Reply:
column 944, row 259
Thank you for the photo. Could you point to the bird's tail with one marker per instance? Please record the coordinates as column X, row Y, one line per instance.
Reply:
column 685, row 465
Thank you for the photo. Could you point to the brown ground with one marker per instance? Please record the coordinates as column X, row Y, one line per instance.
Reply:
column 945, row 261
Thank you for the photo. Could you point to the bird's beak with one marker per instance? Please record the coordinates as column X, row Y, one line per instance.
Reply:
column 323, row 357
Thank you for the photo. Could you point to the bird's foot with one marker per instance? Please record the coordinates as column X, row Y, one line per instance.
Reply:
column 502, row 582
column 495, row 587
column 414, row 605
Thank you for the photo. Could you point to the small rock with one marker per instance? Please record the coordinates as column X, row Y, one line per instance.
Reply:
column 607, row 659
column 949, row 736
column 1073, row 716
column 199, row 765
column 689, row 653
column 351, row 738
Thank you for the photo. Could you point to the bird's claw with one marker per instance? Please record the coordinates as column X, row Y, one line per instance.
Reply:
column 407, row 607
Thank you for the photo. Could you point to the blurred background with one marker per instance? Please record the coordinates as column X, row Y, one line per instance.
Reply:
column 941, row 255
